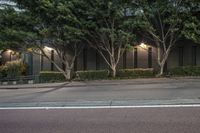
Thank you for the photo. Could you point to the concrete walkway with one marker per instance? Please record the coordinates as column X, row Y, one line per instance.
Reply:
column 104, row 83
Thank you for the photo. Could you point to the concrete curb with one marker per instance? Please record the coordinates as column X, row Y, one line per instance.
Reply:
column 111, row 103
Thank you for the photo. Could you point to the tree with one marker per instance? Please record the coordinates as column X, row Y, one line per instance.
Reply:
column 14, row 28
column 107, row 29
column 57, row 27
column 165, row 22
column 192, row 25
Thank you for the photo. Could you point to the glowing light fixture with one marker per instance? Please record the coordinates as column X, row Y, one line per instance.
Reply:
column 9, row 51
column 143, row 45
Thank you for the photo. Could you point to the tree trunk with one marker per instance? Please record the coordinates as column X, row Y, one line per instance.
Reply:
column 161, row 70
column 67, row 74
column 113, row 71
column 162, row 65
column 162, row 60
column 68, row 70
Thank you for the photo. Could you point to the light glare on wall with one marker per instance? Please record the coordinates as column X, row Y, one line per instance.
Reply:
column 11, row 51
column 48, row 48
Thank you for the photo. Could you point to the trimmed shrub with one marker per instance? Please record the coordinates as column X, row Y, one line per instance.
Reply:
column 123, row 73
column 185, row 71
column 2, row 71
column 13, row 69
column 92, row 74
column 135, row 73
column 51, row 76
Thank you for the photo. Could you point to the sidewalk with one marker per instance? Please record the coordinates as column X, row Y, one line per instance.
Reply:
column 32, row 86
column 104, row 83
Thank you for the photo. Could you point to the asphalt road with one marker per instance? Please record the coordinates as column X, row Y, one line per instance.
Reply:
column 104, row 91
column 135, row 120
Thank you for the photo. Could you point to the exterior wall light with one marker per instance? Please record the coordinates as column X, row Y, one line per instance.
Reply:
column 143, row 45
column 9, row 51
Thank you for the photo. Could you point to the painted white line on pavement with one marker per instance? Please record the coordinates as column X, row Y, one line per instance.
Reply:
column 99, row 107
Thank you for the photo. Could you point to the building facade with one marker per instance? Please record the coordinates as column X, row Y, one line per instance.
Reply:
column 140, row 56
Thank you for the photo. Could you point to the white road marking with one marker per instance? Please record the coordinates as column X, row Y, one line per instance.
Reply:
column 100, row 107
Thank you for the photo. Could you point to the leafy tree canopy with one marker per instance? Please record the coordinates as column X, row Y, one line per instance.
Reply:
column 163, row 19
column 14, row 28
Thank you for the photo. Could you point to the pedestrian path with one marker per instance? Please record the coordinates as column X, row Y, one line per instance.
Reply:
column 103, row 83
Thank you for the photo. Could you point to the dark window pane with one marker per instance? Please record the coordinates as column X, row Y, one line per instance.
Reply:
column 42, row 63
column 124, row 60
column 52, row 58
column 85, row 59
column 150, row 57
column 75, row 64
column 180, row 56
column 194, row 55
column 97, row 61
column 30, row 63
column 135, row 58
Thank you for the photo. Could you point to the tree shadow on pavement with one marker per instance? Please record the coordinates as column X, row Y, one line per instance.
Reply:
column 54, row 89
column 33, row 95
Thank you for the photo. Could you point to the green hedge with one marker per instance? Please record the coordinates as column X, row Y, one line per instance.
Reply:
column 135, row 73
column 185, row 71
column 51, row 76
column 123, row 73
column 92, row 75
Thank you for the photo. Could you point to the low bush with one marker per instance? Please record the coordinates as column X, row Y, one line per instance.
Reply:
column 185, row 71
column 2, row 71
column 123, row 73
column 92, row 75
column 135, row 73
column 13, row 69
column 51, row 76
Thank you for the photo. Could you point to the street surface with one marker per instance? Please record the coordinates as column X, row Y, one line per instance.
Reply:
column 107, row 92
column 135, row 120
column 119, row 106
